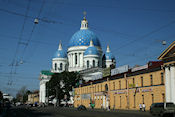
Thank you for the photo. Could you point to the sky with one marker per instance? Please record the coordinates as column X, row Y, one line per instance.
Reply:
column 134, row 30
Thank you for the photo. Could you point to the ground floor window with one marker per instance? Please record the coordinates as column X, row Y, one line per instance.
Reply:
column 120, row 102
column 134, row 101
column 163, row 97
column 142, row 98
column 152, row 98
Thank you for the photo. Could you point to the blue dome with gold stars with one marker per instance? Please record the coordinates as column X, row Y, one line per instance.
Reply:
column 83, row 38
column 91, row 51
column 60, row 54
column 109, row 56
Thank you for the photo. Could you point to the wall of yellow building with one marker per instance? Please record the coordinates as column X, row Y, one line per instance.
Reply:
column 119, row 101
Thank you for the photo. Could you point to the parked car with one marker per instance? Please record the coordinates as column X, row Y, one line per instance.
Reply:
column 162, row 108
column 81, row 107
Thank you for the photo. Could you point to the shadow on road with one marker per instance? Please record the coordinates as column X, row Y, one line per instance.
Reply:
column 25, row 112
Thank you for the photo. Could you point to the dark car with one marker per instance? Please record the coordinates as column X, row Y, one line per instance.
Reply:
column 162, row 108
column 81, row 107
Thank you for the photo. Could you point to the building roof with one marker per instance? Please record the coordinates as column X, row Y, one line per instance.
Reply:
column 46, row 72
column 108, row 54
column 91, row 50
column 165, row 52
column 60, row 52
column 83, row 38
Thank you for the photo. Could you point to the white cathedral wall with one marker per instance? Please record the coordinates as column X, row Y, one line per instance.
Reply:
column 42, row 91
column 108, row 63
column 90, row 58
column 58, row 61
column 79, row 50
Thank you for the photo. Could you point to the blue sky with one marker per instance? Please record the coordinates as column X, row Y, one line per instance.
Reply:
column 134, row 30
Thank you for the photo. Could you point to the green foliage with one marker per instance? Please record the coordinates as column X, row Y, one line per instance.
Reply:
column 61, row 84
column 22, row 95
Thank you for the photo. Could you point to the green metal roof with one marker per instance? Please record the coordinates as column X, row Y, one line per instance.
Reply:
column 46, row 72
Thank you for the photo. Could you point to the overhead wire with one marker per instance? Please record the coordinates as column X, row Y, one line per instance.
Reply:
column 18, row 44
column 31, row 34
column 144, row 36
column 23, row 15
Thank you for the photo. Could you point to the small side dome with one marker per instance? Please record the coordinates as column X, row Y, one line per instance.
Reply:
column 60, row 52
column 91, row 50
column 108, row 54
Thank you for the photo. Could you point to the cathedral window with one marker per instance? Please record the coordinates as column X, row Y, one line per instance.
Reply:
column 55, row 66
column 87, row 64
column 75, row 58
column 61, row 66
column 93, row 63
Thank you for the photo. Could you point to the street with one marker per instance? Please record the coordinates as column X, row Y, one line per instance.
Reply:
column 23, row 111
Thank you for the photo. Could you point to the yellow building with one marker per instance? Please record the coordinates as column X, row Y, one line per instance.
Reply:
column 151, row 83
column 33, row 97
column 126, row 90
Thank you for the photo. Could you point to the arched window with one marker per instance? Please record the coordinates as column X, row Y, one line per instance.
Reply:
column 61, row 66
column 55, row 66
column 106, row 87
column 93, row 63
column 88, row 64
column 98, row 64
column 75, row 58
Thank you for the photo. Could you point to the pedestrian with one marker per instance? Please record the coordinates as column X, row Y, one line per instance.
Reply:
column 143, row 107
column 140, row 106
column 101, row 106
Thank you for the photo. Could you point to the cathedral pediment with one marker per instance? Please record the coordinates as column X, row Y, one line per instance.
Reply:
column 168, row 53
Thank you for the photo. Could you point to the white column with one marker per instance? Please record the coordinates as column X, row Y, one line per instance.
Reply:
column 172, row 71
column 167, row 84
column 69, row 60
column 81, row 60
column 73, row 59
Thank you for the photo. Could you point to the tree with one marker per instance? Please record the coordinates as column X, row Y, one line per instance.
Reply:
column 22, row 94
column 1, row 96
column 61, row 84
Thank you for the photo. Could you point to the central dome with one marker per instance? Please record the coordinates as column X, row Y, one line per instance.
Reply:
column 83, row 38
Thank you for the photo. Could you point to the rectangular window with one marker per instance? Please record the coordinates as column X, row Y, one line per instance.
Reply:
column 114, row 102
column 163, row 97
column 75, row 58
column 142, row 98
column 141, row 81
column 120, row 102
column 152, row 98
column 134, row 101
column 119, row 84
column 151, row 80
column 162, row 78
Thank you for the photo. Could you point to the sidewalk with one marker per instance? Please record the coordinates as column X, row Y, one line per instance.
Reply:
column 118, row 110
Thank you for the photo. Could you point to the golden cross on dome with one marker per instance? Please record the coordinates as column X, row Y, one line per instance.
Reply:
column 84, row 13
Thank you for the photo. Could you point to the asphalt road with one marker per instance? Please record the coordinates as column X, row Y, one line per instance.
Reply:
column 23, row 111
